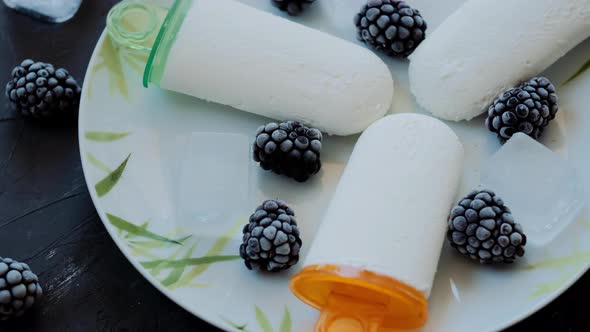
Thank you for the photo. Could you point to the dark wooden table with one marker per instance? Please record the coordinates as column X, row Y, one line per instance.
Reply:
column 47, row 218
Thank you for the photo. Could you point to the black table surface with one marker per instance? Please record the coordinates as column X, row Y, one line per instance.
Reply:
column 47, row 218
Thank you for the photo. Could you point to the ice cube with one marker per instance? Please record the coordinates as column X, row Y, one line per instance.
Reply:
column 540, row 187
column 214, row 180
column 54, row 11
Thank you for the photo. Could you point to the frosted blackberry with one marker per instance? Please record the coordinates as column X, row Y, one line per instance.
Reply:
column 19, row 288
column 527, row 108
column 292, row 7
column 390, row 25
column 288, row 148
column 483, row 228
column 271, row 239
column 38, row 90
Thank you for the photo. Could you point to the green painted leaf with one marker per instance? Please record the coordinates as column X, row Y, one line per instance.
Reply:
column 105, row 185
column 159, row 244
column 110, row 60
column 576, row 259
column 215, row 250
column 173, row 277
column 90, row 84
column 144, row 226
column 188, row 261
column 242, row 327
column 158, row 269
column 177, row 272
column 582, row 69
column 584, row 222
column 263, row 320
column 142, row 252
column 549, row 287
column 97, row 163
column 184, row 238
column 286, row 323
column 104, row 136
column 137, row 230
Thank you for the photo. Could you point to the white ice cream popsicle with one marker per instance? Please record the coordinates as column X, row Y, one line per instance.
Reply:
column 487, row 46
column 388, row 217
column 230, row 53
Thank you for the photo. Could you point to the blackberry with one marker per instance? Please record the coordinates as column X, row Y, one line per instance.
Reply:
column 527, row 108
column 38, row 90
column 288, row 148
column 271, row 239
column 292, row 7
column 390, row 25
column 483, row 228
column 19, row 288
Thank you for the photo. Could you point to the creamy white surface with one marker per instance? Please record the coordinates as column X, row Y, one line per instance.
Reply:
column 487, row 46
column 389, row 211
column 264, row 64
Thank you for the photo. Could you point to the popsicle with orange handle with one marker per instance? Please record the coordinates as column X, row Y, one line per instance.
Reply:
column 374, row 258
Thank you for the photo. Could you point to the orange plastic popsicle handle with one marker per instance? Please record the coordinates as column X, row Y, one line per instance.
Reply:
column 357, row 300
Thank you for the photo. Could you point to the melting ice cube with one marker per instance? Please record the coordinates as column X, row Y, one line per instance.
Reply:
column 214, row 180
column 540, row 187
column 54, row 11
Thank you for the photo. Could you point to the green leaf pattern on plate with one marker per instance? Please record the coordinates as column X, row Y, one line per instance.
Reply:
column 105, row 185
column 177, row 272
column 147, row 244
column 157, row 270
column 140, row 231
column 264, row 322
column 562, row 264
column 97, row 163
column 243, row 327
column 576, row 259
column 286, row 324
column 105, row 136
column 157, row 244
column 110, row 60
column 186, row 262
column 143, row 252
column 114, row 60
column 132, row 235
column 584, row 222
column 550, row 287
column 215, row 250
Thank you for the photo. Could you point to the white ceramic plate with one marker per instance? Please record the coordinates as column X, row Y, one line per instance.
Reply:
column 174, row 201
